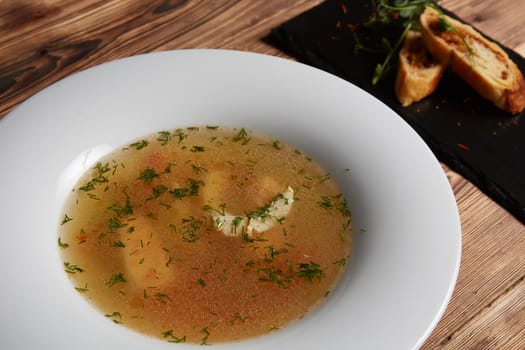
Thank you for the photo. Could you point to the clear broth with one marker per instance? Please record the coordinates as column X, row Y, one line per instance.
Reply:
column 140, row 239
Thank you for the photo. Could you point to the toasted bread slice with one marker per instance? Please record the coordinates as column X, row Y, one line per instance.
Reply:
column 481, row 63
column 418, row 72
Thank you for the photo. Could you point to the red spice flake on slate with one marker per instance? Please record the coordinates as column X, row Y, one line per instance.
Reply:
column 463, row 146
column 352, row 27
column 344, row 8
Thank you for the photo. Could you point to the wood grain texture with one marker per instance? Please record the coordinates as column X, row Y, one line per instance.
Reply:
column 42, row 41
column 492, row 266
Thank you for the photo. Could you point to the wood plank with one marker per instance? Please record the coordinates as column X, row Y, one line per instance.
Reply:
column 498, row 326
column 493, row 260
column 115, row 29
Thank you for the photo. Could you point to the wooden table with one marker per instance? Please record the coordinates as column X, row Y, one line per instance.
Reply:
column 42, row 41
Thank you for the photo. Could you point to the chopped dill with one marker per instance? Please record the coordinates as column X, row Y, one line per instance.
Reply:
column 139, row 144
column 82, row 289
column 273, row 253
column 277, row 276
column 340, row 262
column 157, row 191
column 237, row 317
column 310, row 271
column 163, row 298
column 164, row 137
column 221, row 210
column 180, row 135
column 71, row 268
column 115, row 279
column 172, row 338
column 99, row 178
column 114, row 224
column 65, row 220
column 196, row 148
column 190, row 228
column 192, row 189
column 118, row 244
column 171, row 260
column 242, row 137
column 326, row 202
column 147, row 175
column 198, row 169
column 125, row 210
column 62, row 244
column 116, row 317
column 204, row 340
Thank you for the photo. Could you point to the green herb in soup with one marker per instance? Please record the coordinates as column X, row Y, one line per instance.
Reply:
column 205, row 235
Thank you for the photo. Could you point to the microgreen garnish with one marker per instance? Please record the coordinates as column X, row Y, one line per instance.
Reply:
column 445, row 26
column 406, row 13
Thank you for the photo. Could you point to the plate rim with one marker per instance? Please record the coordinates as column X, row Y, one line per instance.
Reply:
column 9, row 119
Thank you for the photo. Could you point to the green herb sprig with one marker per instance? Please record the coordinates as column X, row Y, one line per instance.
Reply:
column 408, row 12
column 386, row 12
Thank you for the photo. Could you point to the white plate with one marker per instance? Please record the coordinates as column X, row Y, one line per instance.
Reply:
column 408, row 239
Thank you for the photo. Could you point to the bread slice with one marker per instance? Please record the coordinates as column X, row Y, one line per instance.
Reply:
column 418, row 72
column 481, row 63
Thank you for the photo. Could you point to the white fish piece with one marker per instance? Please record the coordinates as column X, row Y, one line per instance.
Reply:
column 261, row 220
column 229, row 224
column 273, row 214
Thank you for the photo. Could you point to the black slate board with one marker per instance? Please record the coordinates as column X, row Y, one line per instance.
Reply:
column 469, row 134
